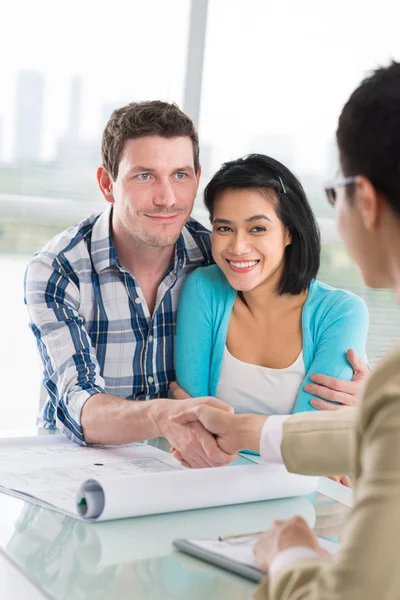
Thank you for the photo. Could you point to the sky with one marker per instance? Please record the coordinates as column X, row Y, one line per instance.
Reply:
column 278, row 70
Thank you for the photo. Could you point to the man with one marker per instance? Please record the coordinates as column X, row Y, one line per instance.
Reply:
column 102, row 296
column 366, row 440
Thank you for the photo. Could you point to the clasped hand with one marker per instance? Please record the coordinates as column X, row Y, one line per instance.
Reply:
column 194, row 444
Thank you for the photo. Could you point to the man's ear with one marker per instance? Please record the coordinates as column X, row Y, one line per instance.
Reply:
column 198, row 175
column 369, row 203
column 105, row 182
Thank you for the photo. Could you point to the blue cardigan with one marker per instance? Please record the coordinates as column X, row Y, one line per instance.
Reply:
column 332, row 322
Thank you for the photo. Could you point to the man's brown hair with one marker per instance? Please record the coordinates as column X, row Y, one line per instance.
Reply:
column 139, row 119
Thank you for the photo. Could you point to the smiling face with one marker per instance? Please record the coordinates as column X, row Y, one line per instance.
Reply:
column 248, row 238
column 154, row 191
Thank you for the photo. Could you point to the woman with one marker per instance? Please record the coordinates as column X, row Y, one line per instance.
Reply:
column 252, row 328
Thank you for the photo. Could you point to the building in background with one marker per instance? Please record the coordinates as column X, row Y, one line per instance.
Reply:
column 75, row 109
column 29, row 116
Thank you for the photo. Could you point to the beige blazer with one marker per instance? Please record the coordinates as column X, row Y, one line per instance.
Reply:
column 365, row 441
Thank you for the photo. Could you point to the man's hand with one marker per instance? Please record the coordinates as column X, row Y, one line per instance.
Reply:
column 338, row 390
column 196, row 446
column 282, row 535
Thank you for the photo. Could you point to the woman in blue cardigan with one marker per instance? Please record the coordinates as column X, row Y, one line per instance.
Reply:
column 252, row 328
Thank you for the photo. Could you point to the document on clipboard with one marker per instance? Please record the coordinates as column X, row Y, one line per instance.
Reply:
column 235, row 555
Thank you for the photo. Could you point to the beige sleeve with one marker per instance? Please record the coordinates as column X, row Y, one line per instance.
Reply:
column 320, row 443
column 366, row 565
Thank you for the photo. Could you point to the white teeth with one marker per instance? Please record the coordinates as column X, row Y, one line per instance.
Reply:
column 244, row 265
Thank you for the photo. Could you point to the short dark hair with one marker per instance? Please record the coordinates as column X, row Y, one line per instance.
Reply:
column 140, row 119
column 368, row 133
column 264, row 174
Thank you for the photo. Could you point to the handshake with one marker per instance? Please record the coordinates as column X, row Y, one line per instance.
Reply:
column 205, row 432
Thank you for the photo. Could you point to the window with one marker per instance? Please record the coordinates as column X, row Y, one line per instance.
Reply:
column 68, row 66
column 276, row 76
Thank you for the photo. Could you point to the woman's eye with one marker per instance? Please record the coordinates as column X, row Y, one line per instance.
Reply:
column 223, row 229
column 259, row 229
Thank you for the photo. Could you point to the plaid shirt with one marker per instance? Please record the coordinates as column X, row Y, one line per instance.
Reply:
column 92, row 325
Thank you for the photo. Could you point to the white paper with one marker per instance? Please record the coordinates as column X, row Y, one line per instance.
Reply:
column 133, row 480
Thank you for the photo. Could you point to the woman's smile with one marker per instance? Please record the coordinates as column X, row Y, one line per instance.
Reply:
column 242, row 266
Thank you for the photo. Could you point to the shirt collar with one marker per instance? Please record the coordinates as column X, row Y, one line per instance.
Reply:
column 187, row 252
column 103, row 251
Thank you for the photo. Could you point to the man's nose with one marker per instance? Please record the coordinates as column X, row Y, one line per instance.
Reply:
column 164, row 194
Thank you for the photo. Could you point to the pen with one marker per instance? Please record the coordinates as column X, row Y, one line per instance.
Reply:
column 222, row 538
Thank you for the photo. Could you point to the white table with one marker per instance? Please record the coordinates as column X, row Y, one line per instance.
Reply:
column 134, row 558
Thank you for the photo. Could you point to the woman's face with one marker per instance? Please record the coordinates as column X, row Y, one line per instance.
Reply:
column 355, row 220
column 248, row 239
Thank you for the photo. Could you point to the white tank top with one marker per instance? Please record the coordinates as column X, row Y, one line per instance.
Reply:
column 255, row 389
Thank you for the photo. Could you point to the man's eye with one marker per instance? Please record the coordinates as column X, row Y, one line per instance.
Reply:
column 180, row 175
column 143, row 176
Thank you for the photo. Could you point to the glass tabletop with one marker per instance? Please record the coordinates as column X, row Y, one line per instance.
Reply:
column 134, row 558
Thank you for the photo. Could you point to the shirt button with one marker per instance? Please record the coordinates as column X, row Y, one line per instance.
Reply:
column 150, row 379
column 138, row 301
column 151, row 338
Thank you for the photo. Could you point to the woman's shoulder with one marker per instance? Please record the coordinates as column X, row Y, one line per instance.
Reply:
column 323, row 299
column 209, row 279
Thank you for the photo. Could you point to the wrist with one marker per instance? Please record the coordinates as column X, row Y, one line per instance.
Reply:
column 158, row 415
column 249, row 431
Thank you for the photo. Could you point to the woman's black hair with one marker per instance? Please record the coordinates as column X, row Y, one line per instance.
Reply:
column 262, row 173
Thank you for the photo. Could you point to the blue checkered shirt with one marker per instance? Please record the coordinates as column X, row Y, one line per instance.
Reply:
column 91, row 322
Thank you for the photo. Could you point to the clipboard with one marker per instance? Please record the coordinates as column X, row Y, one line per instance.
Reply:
column 229, row 564
column 224, row 555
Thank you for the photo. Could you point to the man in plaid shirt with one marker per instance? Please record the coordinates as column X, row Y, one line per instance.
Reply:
column 102, row 296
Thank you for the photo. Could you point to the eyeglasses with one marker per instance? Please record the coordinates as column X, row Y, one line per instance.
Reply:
column 331, row 187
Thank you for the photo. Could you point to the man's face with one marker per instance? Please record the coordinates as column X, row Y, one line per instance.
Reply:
column 154, row 191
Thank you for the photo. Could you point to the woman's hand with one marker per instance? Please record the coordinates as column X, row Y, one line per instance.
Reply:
column 282, row 535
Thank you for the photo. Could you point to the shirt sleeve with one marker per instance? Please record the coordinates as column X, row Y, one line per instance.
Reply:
column 344, row 326
column 71, row 373
column 271, row 439
column 287, row 557
column 194, row 339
